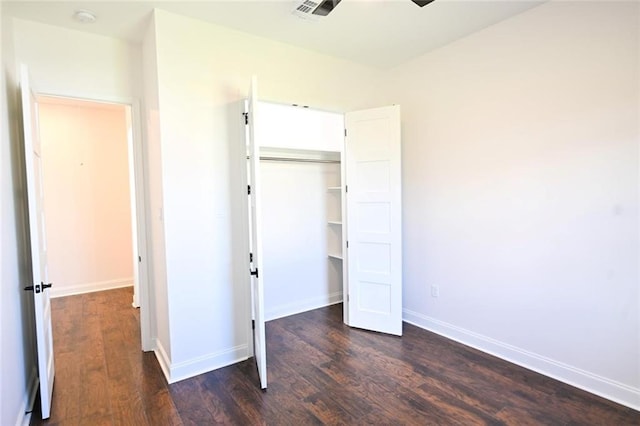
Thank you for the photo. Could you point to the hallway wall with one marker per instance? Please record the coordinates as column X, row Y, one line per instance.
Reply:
column 87, row 203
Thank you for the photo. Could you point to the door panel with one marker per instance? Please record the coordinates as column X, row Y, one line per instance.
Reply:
column 35, row 197
column 259, row 335
column 374, row 233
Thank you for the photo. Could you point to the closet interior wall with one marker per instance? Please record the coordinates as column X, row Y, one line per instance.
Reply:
column 298, row 274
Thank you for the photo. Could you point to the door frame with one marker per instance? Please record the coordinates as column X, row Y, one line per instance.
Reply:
column 143, row 291
column 347, row 264
column 243, row 157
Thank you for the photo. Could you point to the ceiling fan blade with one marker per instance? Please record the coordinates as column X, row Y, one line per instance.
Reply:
column 422, row 3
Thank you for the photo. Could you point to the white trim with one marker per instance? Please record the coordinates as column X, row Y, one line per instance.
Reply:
column 303, row 306
column 144, row 290
column 585, row 380
column 62, row 291
column 28, row 402
column 101, row 98
column 204, row 364
column 163, row 359
column 133, row 195
column 241, row 221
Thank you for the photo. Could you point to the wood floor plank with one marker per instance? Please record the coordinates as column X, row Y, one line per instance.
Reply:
column 229, row 399
column 466, row 407
column 313, row 367
column 398, row 375
column 94, row 396
column 66, row 396
column 318, row 398
column 189, row 403
column 320, row 372
column 160, row 409
column 153, row 388
column 129, row 412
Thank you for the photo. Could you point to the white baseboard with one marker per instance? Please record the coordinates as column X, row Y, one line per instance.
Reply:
column 598, row 385
column 302, row 306
column 194, row 367
column 24, row 416
column 70, row 290
column 163, row 359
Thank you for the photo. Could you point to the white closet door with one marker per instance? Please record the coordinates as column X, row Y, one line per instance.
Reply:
column 42, row 303
column 259, row 335
column 374, row 231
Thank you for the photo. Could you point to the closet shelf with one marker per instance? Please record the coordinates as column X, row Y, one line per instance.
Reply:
column 334, row 188
column 334, row 222
column 335, row 256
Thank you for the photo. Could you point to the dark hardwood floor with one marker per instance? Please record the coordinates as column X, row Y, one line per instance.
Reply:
column 320, row 372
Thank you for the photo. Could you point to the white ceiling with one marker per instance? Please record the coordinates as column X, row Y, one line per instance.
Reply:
column 379, row 33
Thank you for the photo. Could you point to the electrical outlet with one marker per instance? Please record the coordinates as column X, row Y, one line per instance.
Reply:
column 435, row 291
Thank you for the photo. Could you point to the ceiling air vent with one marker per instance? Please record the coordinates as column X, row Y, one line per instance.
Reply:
column 310, row 9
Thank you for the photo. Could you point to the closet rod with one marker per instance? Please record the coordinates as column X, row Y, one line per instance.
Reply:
column 301, row 160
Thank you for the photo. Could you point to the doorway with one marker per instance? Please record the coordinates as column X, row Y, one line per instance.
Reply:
column 94, row 197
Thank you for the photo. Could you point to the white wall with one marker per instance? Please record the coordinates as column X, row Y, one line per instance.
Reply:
column 74, row 63
column 17, row 363
column 520, row 149
column 158, row 270
column 203, row 76
column 86, row 186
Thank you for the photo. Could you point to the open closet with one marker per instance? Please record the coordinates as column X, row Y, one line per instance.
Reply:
column 300, row 190
column 324, row 215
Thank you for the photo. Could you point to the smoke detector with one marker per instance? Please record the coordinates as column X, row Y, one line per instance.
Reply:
column 84, row 16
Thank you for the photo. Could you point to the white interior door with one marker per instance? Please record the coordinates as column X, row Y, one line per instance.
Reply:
column 374, row 231
column 259, row 335
column 42, row 303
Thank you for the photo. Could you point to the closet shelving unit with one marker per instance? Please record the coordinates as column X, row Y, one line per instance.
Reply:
column 334, row 224
column 335, row 202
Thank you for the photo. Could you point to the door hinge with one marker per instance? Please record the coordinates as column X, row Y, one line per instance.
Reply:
column 139, row 259
column 348, row 298
column 38, row 288
column 248, row 189
column 347, row 243
column 253, row 324
column 346, row 188
column 250, row 257
column 255, row 273
column 345, row 132
column 246, row 118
